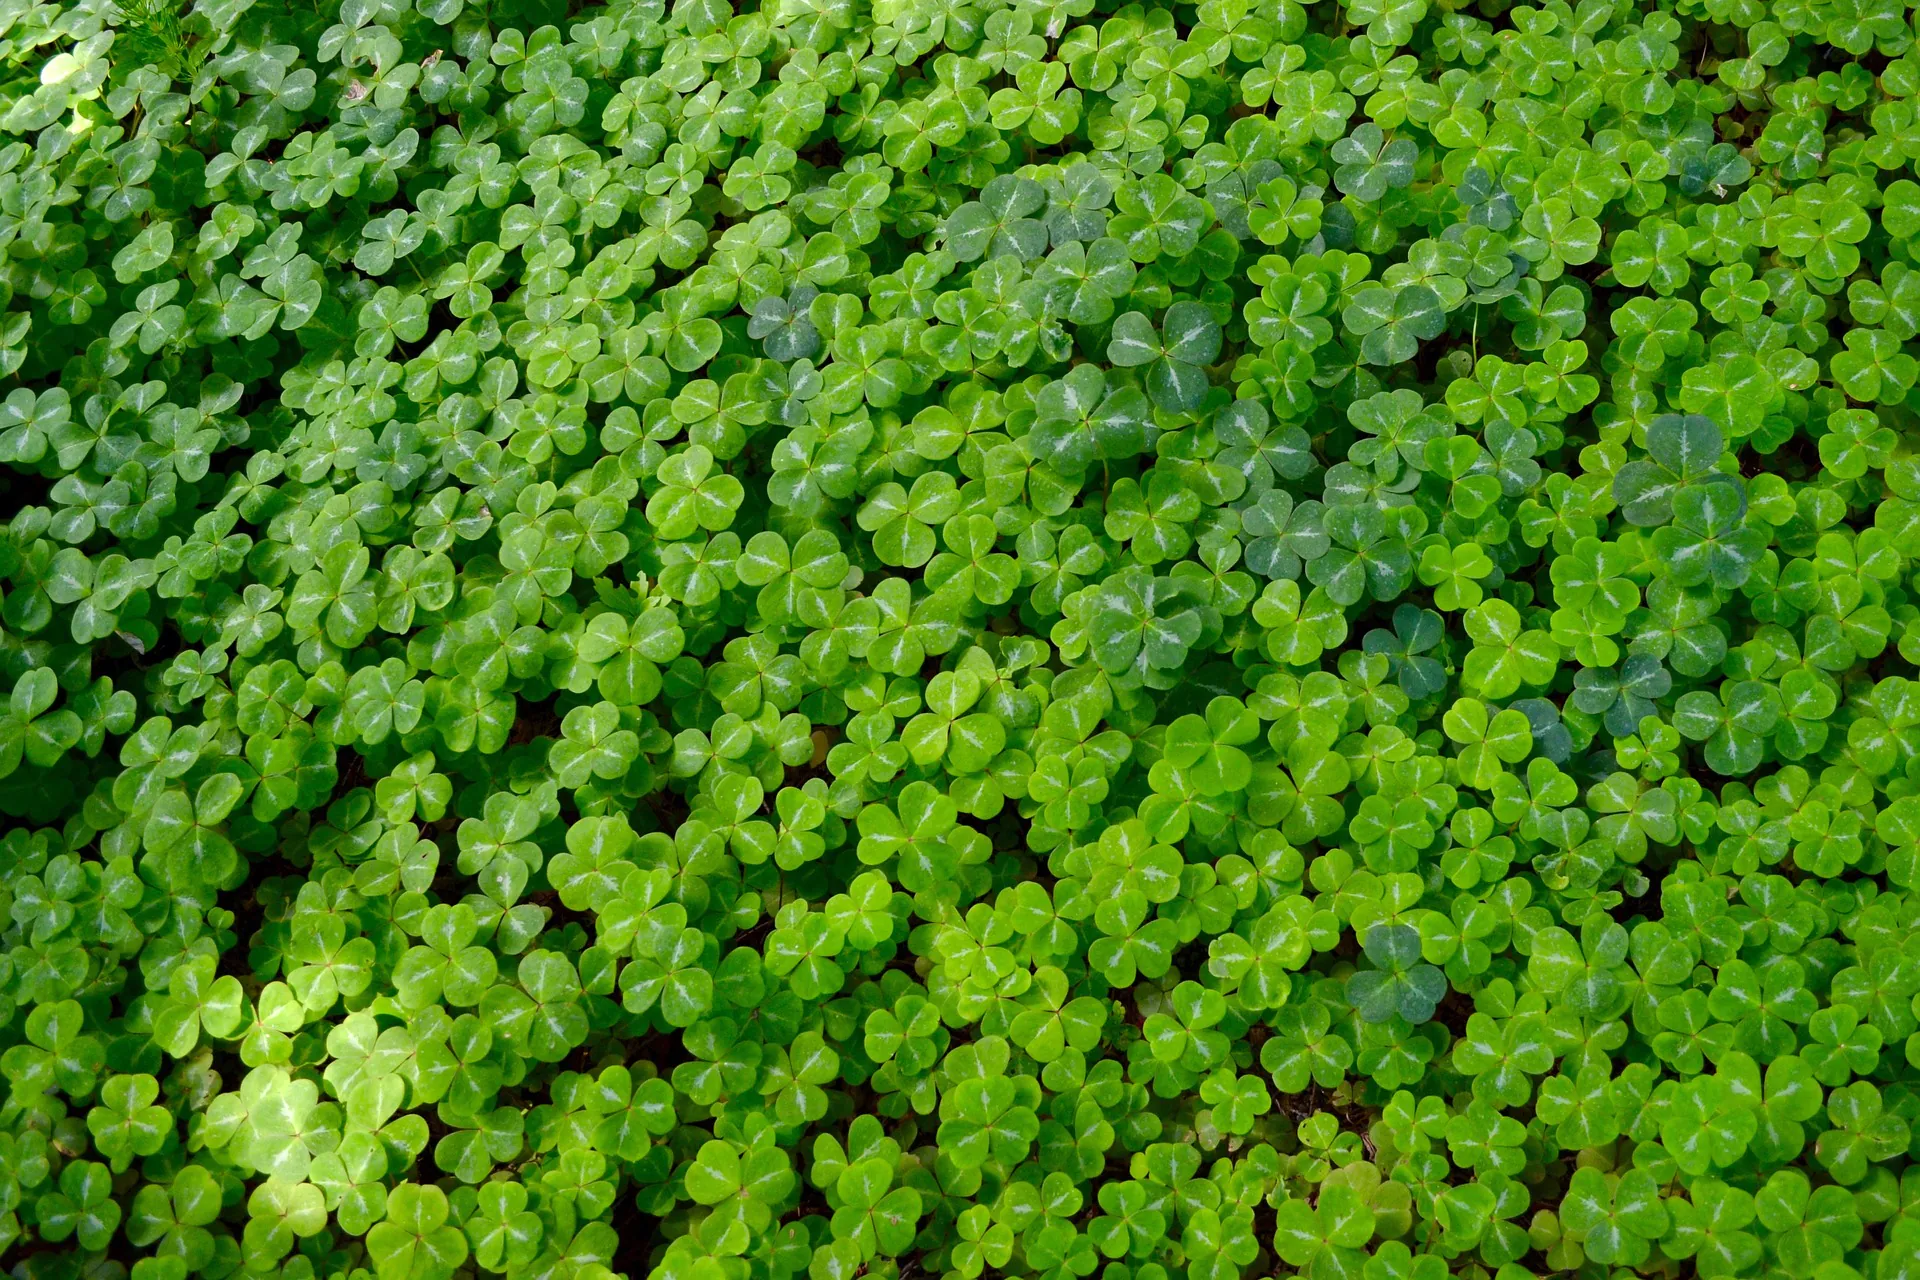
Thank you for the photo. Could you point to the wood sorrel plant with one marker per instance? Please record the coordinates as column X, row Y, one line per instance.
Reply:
column 959, row 640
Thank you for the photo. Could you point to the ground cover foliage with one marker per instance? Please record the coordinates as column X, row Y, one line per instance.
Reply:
column 959, row 638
